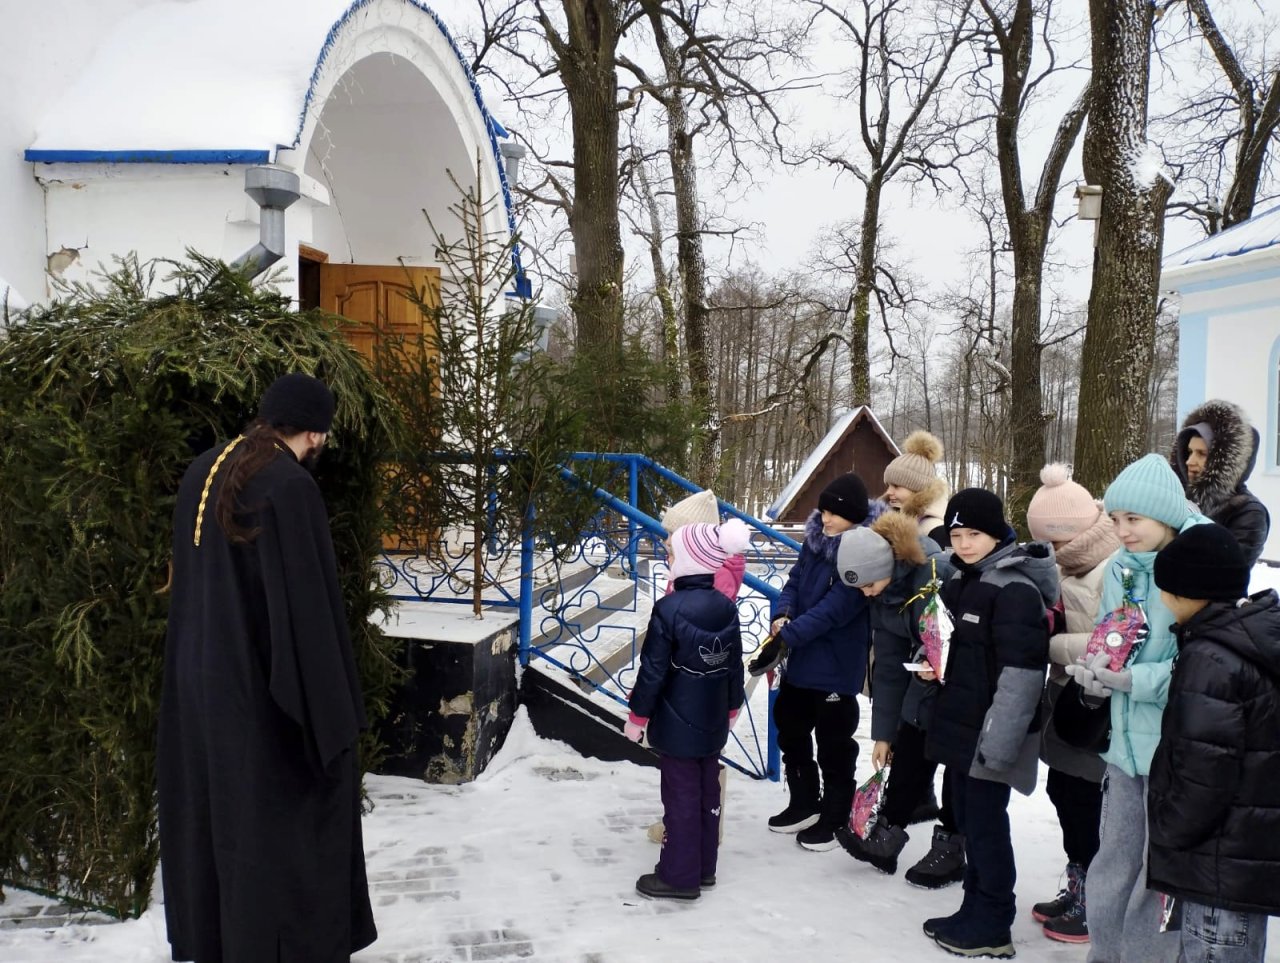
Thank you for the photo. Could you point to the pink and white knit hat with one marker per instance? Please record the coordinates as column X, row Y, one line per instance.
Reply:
column 701, row 549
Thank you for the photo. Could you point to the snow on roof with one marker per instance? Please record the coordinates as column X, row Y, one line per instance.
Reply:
column 204, row 81
column 818, row 457
column 1258, row 232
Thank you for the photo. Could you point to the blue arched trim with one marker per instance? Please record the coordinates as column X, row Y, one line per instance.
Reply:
column 147, row 156
column 524, row 286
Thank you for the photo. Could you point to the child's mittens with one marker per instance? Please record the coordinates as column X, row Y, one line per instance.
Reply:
column 634, row 727
column 1088, row 682
column 1121, row 681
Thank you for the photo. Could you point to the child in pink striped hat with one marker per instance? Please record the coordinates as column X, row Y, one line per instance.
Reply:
column 688, row 690
column 704, row 508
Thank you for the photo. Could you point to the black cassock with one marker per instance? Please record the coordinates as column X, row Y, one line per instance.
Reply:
column 260, row 843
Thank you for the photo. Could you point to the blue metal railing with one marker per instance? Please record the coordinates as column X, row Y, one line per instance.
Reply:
column 589, row 615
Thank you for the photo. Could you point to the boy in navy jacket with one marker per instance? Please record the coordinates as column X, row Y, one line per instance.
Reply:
column 825, row 628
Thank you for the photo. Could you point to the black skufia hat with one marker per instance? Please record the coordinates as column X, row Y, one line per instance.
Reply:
column 298, row 401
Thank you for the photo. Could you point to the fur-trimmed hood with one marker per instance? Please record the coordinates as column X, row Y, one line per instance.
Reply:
column 927, row 506
column 825, row 546
column 1231, row 455
column 900, row 532
column 910, row 551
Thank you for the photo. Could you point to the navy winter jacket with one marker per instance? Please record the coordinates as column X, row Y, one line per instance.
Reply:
column 1213, row 799
column 830, row 625
column 691, row 673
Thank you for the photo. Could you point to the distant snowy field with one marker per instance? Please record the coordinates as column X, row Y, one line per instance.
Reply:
column 545, row 846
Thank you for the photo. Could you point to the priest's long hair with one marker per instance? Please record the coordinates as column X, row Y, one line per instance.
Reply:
column 261, row 442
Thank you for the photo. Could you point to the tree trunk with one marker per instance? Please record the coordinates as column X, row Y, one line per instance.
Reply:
column 661, row 282
column 689, row 253
column 864, row 284
column 586, row 60
column 1028, row 234
column 1120, row 338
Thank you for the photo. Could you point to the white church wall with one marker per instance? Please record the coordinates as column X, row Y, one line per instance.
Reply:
column 1236, row 356
column 35, row 71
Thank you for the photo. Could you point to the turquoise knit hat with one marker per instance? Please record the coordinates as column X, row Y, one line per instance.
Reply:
column 1149, row 487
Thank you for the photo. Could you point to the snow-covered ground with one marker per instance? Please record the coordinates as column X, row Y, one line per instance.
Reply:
column 537, row 859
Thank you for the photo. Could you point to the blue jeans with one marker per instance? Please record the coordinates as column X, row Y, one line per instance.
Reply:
column 1213, row 935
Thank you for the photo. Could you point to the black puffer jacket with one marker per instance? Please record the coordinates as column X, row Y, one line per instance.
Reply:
column 1219, row 491
column 691, row 673
column 1213, row 800
column 986, row 720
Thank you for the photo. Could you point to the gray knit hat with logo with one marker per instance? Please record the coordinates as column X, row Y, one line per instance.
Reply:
column 863, row 557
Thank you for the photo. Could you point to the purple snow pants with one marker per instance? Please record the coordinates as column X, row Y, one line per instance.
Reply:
column 691, row 814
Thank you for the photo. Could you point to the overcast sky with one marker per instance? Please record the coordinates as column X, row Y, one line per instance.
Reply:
column 792, row 206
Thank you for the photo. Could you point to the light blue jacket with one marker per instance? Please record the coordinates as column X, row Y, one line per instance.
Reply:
column 1136, row 715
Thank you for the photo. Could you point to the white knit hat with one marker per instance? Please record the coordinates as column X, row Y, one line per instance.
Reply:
column 699, row 508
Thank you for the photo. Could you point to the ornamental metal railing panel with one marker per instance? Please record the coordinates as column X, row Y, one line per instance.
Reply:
column 584, row 612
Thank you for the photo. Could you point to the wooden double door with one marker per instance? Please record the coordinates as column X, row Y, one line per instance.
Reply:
column 379, row 302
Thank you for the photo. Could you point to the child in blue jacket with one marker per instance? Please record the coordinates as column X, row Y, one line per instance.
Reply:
column 688, row 690
column 825, row 628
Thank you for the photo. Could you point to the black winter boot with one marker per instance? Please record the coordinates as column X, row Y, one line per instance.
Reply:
column 1073, row 925
column 880, row 848
column 942, row 865
column 802, row 811
column 1066, row 898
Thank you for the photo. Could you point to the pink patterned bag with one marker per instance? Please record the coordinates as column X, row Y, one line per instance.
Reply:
column 1121, row 630
column 935, row 626
column 866, row 802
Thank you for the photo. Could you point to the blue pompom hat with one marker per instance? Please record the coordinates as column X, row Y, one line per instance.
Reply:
column 1149, row 487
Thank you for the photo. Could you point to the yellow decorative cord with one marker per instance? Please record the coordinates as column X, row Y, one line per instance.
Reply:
column 928, row 588
column 208, row 483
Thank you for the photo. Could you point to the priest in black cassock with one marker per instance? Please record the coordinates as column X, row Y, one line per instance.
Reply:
column 260, row 844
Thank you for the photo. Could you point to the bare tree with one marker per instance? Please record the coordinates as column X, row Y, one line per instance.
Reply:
column 1013, row 28
column 1119, row 341
column 1233, row 129
column 898, row 73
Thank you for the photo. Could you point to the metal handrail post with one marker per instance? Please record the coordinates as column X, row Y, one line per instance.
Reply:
column 773, row 756
column 633, row 499
column 526, row 588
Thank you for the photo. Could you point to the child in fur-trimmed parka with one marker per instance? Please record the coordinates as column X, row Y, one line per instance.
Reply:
column 1064, row 514
column 1214, row 455
column 1213, row 796
column 688, row 690
column 899, row 570
column 824, row 628
column 987, row 718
